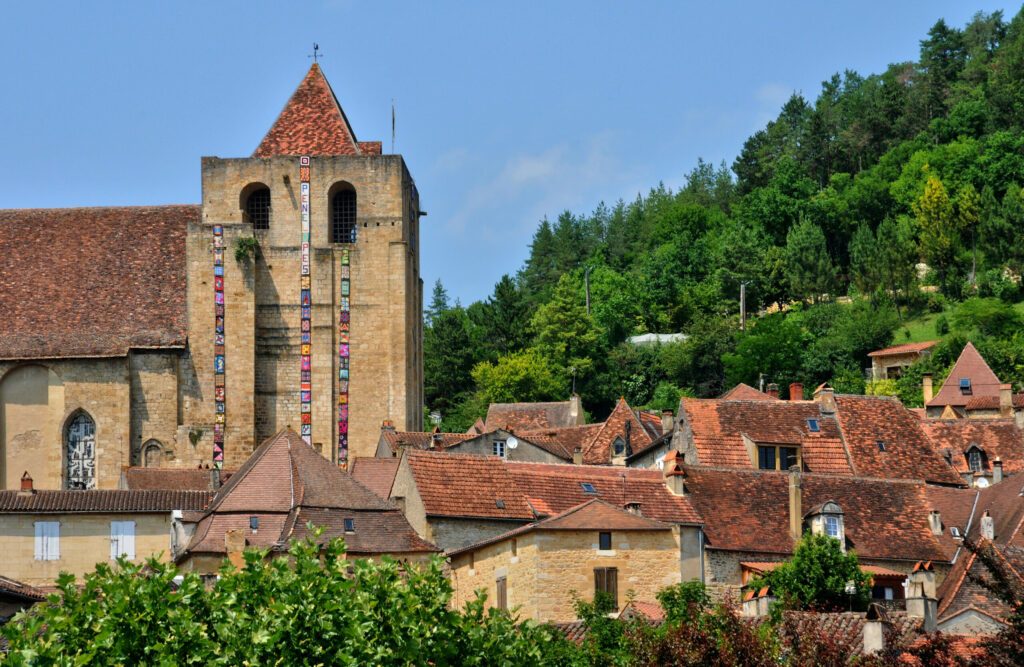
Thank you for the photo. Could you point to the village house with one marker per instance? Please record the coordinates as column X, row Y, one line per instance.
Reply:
column 982, row 451
column 284, row 491
column 889, row 363
column 972, row 391
column 499, row 442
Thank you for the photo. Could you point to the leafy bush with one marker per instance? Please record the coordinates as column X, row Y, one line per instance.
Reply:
column 987, row 316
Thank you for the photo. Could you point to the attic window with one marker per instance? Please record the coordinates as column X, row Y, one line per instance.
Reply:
column 965, row 386
column 974, row 460
column 954, row 531
column 254, row 523
column 619, row 446
column 588, row 487
column 499, row 503
column 350, row 525
column 881, row 445
column 813, row 426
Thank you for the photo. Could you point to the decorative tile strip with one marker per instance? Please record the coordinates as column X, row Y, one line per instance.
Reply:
column 306, row 303
column 344, row 322
column 219, row 368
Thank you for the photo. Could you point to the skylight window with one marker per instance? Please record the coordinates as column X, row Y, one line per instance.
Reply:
column 499, row 503
column 954, row 531
column 965, row 385
column 813, row 425
column 588, row 487
column 350, row 525
column 881, row 445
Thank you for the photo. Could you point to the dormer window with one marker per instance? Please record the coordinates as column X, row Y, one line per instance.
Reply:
column 832, row 527
column 813, row 425
column 777, row 457
column 975, row 459
column 619, row 447
column 965, row 386
column 827, row 519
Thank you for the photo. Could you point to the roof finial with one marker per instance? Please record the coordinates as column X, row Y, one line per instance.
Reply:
column 316, row 53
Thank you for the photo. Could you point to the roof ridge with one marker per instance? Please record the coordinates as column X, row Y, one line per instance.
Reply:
column 99, row 207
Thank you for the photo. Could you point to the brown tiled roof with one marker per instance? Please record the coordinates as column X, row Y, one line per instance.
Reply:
column 961, row 591
column 529, row 416
column 908, row 453
column 92, row 282
column 311, row 123
column 172, row 479
column 749, row 511
column 971, row 365
column 593, row 514
column 105, row 500
column 905, row 348
column 574, row 631
column 768, row 566
column 846, row 629
column 421, row 439
column 997, row 438
column 621, row 420
column 651, row 611
column 378, row 475
column 286, row 483
column 744, row 392
column 24, row 591
column 569, row 437
column 718, row 427
column 460, row 485
column 957, row 508
column 992, row 402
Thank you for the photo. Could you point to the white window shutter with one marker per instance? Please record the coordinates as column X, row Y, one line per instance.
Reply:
column 40, row 540
column 54, row 540
column 128, row 539
column 115, row 539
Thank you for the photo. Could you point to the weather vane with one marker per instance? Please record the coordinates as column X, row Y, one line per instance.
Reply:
column 316, row 52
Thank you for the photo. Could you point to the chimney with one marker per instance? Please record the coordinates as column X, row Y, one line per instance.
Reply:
column 825, row 397
column 675, row 476
column 577, row 456
column 436, row 439
column 633, row 507
column 757, row 603
column 1006, row 400
column 997, row 470
column 668, row 421
column 796, row 516
column 26, row 485
column 935, row 522
column 874, row 630
column 988, row 528
column 796, row 391
column 926, row 387
column 773, row 390
column 387, row 426
column 576, row 415
column 921, row 601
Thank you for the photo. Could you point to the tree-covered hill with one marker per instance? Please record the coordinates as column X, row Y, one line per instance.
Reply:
column 847, row 195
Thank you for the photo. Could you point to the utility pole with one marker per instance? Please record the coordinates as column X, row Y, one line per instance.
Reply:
column 743, row 305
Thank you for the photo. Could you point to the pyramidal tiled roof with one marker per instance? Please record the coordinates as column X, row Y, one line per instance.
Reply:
column 970, row 365
column 311, row 123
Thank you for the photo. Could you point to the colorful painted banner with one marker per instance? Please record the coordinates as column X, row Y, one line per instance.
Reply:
column 219, row 363
column 344, row 324
column 306, row 306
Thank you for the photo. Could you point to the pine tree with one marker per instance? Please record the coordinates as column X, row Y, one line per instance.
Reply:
column 438, row 304
column 864, row 260
column 939, row 229
column 808, row 265
column 508, row 318
column 565, row 333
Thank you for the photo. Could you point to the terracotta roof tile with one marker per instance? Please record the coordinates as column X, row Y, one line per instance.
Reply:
column 992, row 402
column 378, row 475
column 744, row 392
column 101, row 500
column 749, row 511
column 463, row 485
column 961, row 591
column 621, row 423
column 846, row 629
column 311, row 123
column 905, row 348
column 997, row 438
column 969, row 365
column 529, row 416
column 18, row 589
column 375, row 532
column 421, row 439
column 569, row 437
column 92, row 282
column 173, row 479
column 651, row 611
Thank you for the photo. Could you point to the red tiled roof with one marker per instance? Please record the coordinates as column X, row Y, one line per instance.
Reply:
column 101, row 501
column 172, row 479
column 529, row 416
column 997, row 438
column 651, row 611
column 463, row 485
column 574, row 631
column 768, row 566
column 718, row 427
column 961, row 591
column 374, row 532
column 378, row 475
column 846, row 629
column 18, row 589
column 905, row 348
column 970, row 365
column 311, row 123
column 569, row 437
column 620, row 422
column 421, row 439
column 957, row 508
column 92, row 282
column 749, row 511
column 744, row 392
column 992, row 402
column 908, row 453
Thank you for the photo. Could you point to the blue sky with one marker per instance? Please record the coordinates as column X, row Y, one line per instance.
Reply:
column 506, row 112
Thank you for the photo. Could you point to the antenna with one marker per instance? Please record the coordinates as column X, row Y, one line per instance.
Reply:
column 392, row 126
column 316, row 53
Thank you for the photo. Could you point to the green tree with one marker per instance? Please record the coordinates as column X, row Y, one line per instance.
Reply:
column 520, row 376
column 987, row 316
column 447, row 359
column 940, row 230
column 820, row 576
column 968, row 213
column 438, row 303
column 773, row 348
column 808, row 266
column 565, row 333
column 505, row 319
column 864, row 260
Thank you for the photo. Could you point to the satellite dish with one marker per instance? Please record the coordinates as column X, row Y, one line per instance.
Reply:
column 512, row 442
column 981, row 483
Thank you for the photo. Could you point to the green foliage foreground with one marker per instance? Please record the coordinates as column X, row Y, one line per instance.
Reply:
column 314, row 608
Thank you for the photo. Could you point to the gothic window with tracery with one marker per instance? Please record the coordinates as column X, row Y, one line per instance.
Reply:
column 80, row 466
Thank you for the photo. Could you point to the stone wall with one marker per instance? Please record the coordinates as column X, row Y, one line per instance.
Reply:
column 84, row 542
column 155, row 403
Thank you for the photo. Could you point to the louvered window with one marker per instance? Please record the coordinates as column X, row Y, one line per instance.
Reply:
column 606, row 580
column 122, row 539
column 47, row 545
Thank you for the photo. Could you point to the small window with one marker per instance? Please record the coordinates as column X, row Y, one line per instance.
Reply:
column 350, row 525
column 965, row 386
column 606, row 580
column 257, row 208
column 813, row 426
column 501, row 597
column 881, row 445
column 588, row 487
column 787, row 458
column 47, row 540
column 254, row 523
column 832, row 526
column 122, row 539
column 499, row 503
column 498, row 448
column 954, row 531
column 889, row 593
column 974, row 460
column 343, row 215
column 604, row 541
column 619, row 447
column 766, row 458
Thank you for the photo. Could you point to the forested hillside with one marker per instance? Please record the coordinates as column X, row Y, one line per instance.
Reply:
column 840, row 196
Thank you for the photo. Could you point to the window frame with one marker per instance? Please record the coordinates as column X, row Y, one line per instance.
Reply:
column 813, row 425
column 604, row 540
column 606, row 580
column 344, row 224
column 122, row 542
column 256, row 221
column 974, row 454
column 832, row 521
column 588, row 488
column 499, row 448
column 777, row 453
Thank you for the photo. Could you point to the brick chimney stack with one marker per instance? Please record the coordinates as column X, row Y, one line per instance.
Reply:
column 675, row 476
column 577, row 456
column 1006, row 400
column 997, row 470
column 772, row 390
column 988, row 527
column 921, row 600
column 796, row 391
column 874, row 630
column 668, row 421
column 926, row 387
column 576, row 410
column 796, row 515
column 825, row 397
column 935, row 522
column 27, row 489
